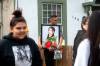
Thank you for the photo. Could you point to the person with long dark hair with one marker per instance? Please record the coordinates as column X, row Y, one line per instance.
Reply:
column 88, row 53
column 80, row 36
column 16, row 48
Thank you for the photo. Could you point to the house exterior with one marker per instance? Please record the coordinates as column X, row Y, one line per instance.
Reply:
column 37, row 12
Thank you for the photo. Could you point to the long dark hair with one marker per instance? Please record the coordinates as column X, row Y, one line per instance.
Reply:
column 94, row 38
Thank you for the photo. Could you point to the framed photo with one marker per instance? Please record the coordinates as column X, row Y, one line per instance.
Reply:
column 50, row 35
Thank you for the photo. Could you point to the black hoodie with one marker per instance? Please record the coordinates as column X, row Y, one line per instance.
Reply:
column 19, row 52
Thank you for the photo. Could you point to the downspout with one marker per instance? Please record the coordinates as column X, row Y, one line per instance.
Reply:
column 1, row 18
column 14, row 3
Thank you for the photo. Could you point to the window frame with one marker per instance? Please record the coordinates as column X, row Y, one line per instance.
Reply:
column 47, row 11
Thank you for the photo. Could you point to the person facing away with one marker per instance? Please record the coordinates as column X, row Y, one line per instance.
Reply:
column 51, row 39
column 81, row 35
column 49, row 55
column 16, row 48
column 88, row 53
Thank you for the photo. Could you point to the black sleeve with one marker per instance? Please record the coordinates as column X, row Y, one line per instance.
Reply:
column 38, row 57
column 37, row 61
column 1, row 53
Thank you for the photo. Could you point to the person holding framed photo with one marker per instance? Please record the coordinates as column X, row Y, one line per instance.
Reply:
column 49, row 55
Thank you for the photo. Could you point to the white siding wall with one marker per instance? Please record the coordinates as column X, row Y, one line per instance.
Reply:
column 75, row 12
column 30, row 12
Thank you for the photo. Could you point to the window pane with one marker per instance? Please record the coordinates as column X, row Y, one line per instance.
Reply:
column 49, row 7
column 45, row 20
column 44, row 13
column 58, row 7
column 59, row 14
column 44, row 6
column 49, row 13
column 59, row 20
column 54, row 12
column 54, row 7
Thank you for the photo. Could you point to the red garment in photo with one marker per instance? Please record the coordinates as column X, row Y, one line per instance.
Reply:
column 48, row 44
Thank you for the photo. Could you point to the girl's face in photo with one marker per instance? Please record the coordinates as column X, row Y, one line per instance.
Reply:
column 19, row 30
column 50, row 32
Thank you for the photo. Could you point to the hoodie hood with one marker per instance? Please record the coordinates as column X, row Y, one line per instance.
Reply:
column 11, row 38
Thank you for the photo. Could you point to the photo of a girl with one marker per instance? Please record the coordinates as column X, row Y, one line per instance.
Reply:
column 50, row 36
column 51, row 39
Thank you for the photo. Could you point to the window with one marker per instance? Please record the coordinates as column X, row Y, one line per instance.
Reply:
column 49, row 9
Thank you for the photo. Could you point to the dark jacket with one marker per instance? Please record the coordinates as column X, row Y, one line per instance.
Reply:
column 81, row 35
column 7, row 56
